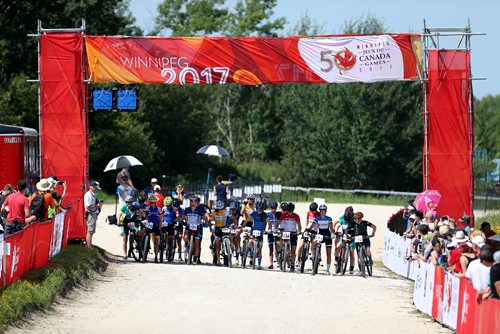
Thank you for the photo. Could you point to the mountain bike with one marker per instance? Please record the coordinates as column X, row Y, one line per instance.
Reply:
column 226, row 246
column 163, row 242
column 287, row 251
column 245, row 235
column 189, row 247
column 344, row 254
column 363, row 261
column 135, row 244
column 255, row 248
column 148, row 229
column 317, row 251
column 306, row 245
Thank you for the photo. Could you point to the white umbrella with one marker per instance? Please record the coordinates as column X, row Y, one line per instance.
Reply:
column 214, row 150
column 122, row 161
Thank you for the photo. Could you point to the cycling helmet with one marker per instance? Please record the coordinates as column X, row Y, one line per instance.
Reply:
column 152, row 199
column 358, row 215
column 197, row 199
column 290, row 207
column 219, row 205
column 136, row 206
column 260, row 206
column 176, row 202
column 167, row 201
column 141, row 199
column 129, row 199
column 322, row 207
column 251, row 197
column 273, row 205
column 284, row 206
column 313, row 206
column 348, row 212
column 192, row 198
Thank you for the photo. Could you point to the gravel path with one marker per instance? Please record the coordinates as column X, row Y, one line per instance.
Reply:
column 171, row 298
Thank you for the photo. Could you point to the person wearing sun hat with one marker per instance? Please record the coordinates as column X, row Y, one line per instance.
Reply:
column 43, row 188
column 460, row 239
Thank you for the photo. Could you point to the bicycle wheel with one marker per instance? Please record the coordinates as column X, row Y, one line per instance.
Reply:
column 344, row 257
column 191, row 250
column 133, row 248
column 280, row 259
column 244, row 253
column 361, row 261
column 186, row 252
column 317, row 256
column 162, row 246
column 303, row 258
column 145, row 248
column 255, row 251
column 369, row 267
column 229, row 255
column 285, row 256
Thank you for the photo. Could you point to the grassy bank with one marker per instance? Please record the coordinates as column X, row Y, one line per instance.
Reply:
column 39, row 287
column 492, row 218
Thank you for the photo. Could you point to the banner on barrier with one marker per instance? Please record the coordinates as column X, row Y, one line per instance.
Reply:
column 57, row 234
column 253, row 60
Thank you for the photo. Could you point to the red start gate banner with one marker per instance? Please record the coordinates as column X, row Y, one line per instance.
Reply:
column 253, row 60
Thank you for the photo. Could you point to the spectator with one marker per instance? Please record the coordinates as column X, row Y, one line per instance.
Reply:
column 58, row 198
column 465, row 220
column 41, row 201
column 150, row 189
column 220, row 190
column 488, row 233
column 120, row 177
column 412, row 230
column 179, row 193
column 159, row 196
column 478, row 271
column 124, row 190
column 493, row 288
column 460, row 241
column 92, row 210
column 17, row 207
column 437, row 252
column 7, row 190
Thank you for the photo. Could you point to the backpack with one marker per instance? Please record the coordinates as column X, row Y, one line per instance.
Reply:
column 37, row 207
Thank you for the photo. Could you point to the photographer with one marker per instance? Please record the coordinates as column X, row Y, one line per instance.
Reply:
column 92, row 210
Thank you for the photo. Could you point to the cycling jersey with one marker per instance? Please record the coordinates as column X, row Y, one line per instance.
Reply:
column 153, row 214
column 194, row 216
column 274, row 220
column 323, row 223
column 288, row 222
column 219, row 217
column 258, row 223
column 361, row 228
column 311, row 224
column 169, row 215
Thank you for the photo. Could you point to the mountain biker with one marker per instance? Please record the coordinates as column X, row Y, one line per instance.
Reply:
column 193, row 215
column 274, row 217
column 259, row 220
column 233, row 221
column 179, row 227
column 153, row 213
column 170, row 214
column 360, row 228
column 290, row 222
column 126, row 216
column 219, row 218
column 344, row 222
column 311, row 215
column 247, row 207
column 325, row 227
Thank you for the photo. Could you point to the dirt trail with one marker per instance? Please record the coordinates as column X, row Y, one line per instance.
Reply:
column 161, row 298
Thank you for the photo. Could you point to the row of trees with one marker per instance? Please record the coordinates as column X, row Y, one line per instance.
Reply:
column 346, row 136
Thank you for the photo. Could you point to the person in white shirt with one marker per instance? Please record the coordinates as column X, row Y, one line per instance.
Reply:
column 478, row 271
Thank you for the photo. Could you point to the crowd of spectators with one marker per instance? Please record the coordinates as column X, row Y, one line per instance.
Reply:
column 458, row 248
column 19, row 207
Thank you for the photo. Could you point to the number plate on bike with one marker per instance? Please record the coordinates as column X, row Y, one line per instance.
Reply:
column 358, row 239
column 226, row 230
column 164, row 223
column 193, row 227
column 233, row 231
column 286, row 236
column 318, row 238
column 149, row 225
column 256, row 233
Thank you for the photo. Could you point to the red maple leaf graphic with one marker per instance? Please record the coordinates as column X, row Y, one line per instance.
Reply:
column 345, row 59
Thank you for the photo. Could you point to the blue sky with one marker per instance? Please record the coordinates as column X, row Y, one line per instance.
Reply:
column 399, row 16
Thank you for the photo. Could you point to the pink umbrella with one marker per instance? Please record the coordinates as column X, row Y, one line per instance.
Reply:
column 427, row 200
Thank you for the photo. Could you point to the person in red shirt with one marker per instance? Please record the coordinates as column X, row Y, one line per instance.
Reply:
column 311, row 215
column 17, row 207
column 290, row 222
column 159, row 197
column 488, row 233
column 460, row 239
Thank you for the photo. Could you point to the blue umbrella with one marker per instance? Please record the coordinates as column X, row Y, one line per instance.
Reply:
column 214, row 150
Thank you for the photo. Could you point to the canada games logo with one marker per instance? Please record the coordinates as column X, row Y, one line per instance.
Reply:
column 345, row 59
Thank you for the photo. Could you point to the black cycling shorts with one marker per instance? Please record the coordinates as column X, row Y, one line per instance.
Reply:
column 218, row 233
column 326, row 233
column 293, row 238
column 169, row 229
